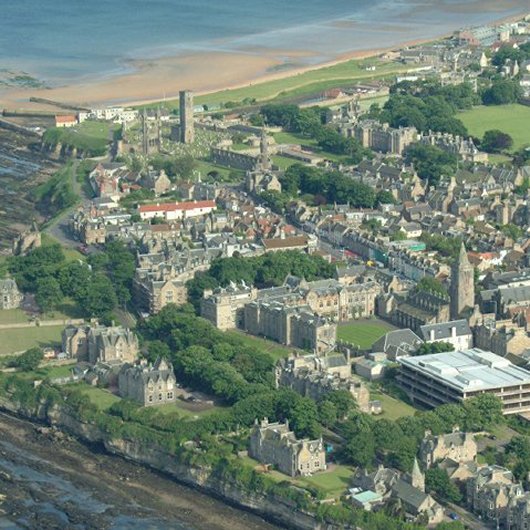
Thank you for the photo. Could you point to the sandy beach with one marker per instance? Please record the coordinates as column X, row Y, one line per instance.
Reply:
column 159, row 79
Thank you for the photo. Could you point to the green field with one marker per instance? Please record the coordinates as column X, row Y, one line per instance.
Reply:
column 344, row 74
column 180, row 408
column 226, row 174
column 273, row 348
column 91, row 137
column 363, row 333
column 393, row 409
column 21, row 339
column 13, row 316
column 511, row 119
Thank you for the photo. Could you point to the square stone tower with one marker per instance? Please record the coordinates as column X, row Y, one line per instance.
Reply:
column 187, row 131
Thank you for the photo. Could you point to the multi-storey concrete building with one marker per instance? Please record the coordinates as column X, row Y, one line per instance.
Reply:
column 451, row 377
column 148, row 384
column 276, row 444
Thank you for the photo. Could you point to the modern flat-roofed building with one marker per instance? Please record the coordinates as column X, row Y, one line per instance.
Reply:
column 433, row 380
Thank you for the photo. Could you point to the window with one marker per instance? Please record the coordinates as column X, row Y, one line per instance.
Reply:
column 150, row 399
column 170, row 395
column 160, row 397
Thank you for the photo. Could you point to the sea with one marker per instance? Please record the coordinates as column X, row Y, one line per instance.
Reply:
column 64, row 41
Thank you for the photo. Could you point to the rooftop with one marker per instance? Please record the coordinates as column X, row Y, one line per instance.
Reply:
column 469, row 370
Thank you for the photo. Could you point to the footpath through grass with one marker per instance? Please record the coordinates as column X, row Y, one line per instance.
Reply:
column 511, row 119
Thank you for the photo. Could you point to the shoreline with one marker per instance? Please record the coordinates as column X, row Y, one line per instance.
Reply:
column 158, row 80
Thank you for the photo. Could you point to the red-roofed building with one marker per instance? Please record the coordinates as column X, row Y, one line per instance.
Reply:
column 65, row 120
column 176, row 210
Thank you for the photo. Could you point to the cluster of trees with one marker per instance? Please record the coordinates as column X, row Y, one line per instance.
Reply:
column 449, row 247
column 57, row 193
column 29, row 360
column 519, row 54
column 330, row 187
column 495, row 141
column 396, row 443
column 431, row 162
column 309, row 122
column 431, row 285
column 97, row 286
column 268, row 270
column 502, row 92
column 427, row 105
column 224, row 365
column 179, row 166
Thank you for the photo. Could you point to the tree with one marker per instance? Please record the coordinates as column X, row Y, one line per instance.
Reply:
column 483, row 412
column 327, row 413
column 437, row 480
column 29, row 360
column 360, row 449
column 495, row 141
column 430, row 162
column 434, row 347
column 100, row 299
column 502, row 92
column 48, row 294
column 431, row 285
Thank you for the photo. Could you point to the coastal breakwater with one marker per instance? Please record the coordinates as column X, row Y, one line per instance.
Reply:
column 279, row 511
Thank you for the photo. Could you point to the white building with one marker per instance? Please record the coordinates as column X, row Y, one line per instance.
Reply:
column 176, row 210
column 457, row 333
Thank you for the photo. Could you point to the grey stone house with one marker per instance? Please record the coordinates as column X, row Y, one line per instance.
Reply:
column 276, row 444
column 148, row 384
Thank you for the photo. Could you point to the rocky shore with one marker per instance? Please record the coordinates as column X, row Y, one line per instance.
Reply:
column 48, row 480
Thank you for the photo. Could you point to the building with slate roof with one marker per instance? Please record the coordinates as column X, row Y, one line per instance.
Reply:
column 275, row 444
column 94, row 343
column 456, row 332
column 457, row 446
column 148, row 384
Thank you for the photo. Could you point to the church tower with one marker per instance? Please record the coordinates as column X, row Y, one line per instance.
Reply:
column 462, row 290
column 264, row 159
column 416, row 479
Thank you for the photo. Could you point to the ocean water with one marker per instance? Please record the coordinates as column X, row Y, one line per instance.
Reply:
column 68, row 40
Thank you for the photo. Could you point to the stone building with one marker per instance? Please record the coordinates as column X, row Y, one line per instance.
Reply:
column 148, row 384
column 224, row 307
column 457, row 446
column 333, row 299
column 95, row 343
column 275, row 444
column 383, row 138
column 462, row 291
column 295, row 326
column 187, row 126
column 27, row 240
column 488, row 493
column 315, row 376
column 156, row 181
column 10, row 296
column 502, row 337
column 415, row 310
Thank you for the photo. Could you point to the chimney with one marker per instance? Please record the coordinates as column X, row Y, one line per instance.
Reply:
column 453, row 332
column 431, row 335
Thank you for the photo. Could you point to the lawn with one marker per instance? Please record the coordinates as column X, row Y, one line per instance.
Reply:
column 102, row 398
column 512, row 119
column 21, row 339
column 13, row 316
column 51, row 371
column 392, row 408
column 333, row 482
column 92, row 137
column 226, row 174
column 283, row 162
column 179, row 407
column 277, row 351
column 363, row 332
